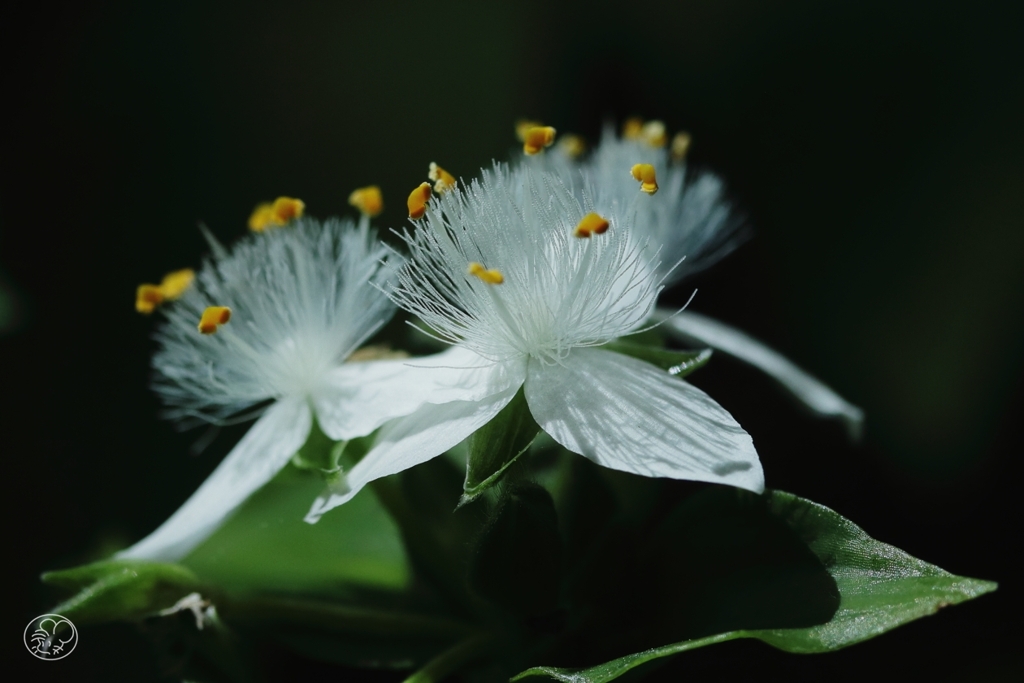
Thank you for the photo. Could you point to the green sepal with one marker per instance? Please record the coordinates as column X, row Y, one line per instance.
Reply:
column 880, row 588
column 115, row 590
column 518, row 559
column 678, row 363
column 320, row 453
column 495, row 446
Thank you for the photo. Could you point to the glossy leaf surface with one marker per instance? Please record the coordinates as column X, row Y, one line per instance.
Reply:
column 879, row 587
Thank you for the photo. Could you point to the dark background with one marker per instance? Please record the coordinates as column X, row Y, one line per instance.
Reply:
column 878, row 152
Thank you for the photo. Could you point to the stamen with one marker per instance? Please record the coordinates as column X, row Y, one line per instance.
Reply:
column 653, row 133
column 417, row 201
column 368, row 200
column 286, row 209
column 147, row 298
column 278, row 213
column 524, row 125
column 645, row 174
column 491, row 277
column 174, row 284
column 443, row 180
column 537, row 138
column 572, row 146
column 632, row 128
column 262, row 217
column 680, row 145
column 591, row 224
column 213, row 318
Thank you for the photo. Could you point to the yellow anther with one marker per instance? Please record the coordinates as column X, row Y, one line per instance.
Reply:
column 572, row 145
column 537, row 138
column 368, row 200
column 262, row 217
column 648, row 179
column 632, row 128
column 491, row 276
column 443, row 180
column 417, row 201
column 524, row 125
column 591, row 224
column 147, row 298
column 213, row 318
column 278, row 213
column 287, row 208
column 653, row 133
column 174, row 284
column 680, row 145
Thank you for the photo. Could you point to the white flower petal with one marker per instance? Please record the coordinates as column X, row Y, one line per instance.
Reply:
column 408, row 441
column 265, row 449
column 628, row 415
column 693, row 327
column 356, row 398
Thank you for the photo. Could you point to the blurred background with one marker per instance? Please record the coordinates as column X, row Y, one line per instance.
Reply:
column 876, row 149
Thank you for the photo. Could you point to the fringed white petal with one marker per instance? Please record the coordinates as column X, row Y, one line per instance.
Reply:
column 629, row 415
column 408, row 441
column 819, row 398
column 302, row 298
column 261, row 454
column 356, row 398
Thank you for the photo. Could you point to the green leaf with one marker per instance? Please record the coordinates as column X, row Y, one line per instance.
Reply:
column 266, row 545
column 880, row 588
column 498, row 444
column 121, row 589
column 518, row 560
column 678, row 363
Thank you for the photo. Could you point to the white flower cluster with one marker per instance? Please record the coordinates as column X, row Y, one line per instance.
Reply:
column 526, row 272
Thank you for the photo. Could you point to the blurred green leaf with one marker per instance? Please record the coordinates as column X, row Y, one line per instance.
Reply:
column 880, row 588
column 518, row 560
column 498, row 444
column 678, row 363
column 266, row 545
column 121, row 589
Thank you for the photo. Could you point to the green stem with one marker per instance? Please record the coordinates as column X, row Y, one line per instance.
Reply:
column 451, row 660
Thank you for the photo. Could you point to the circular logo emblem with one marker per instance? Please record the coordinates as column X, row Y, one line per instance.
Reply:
column 50, row 637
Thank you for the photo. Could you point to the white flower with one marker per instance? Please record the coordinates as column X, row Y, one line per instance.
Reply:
column 496, row 270
column 301, row 299
column 688, row 218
